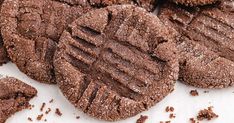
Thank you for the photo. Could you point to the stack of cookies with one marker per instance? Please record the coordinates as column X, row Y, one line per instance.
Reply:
column 113, row 59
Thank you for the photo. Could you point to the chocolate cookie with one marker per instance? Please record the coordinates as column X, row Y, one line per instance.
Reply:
column 3, row 54
column 31, row 29
column 14, row 97
column 194, row 2
column 149, row 5
column 205, row 44
column 115, row 62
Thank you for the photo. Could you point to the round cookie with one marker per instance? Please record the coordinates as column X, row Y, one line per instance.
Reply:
column 116, row 62
column 194, row 2
column 31, row 30
column 205, row 42
column 14, row 96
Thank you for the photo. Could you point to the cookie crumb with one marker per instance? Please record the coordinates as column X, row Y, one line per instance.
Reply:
column 42, row 107
column 206, row 91
column 58, row 112
column 194, row 93
column 77, row 117
column 192, row 120
column 39, row 117
column 171, row 116
column 142, row 119
column 207, row 114
column 30, row 119
column 169, row 109
column 165, row 122
column 45, row 120
column 31, row 107
column 51, row 101
column 48, row 111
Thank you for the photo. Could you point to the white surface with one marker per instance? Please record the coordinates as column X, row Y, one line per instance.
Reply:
column 185, row 105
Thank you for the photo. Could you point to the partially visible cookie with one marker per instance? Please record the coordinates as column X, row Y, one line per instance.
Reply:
column 116, row 62
column 205, row 42
column 3, row 54
column 14, row 96
column 149, row 5
column 194, row 2
column 31, row 30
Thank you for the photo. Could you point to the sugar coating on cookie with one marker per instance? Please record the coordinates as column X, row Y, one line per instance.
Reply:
column 3, row 53
column 194, row 2
column 205, row 42
column 31, row 30
column 116, row 62
column 14, row 96
column 149, row 5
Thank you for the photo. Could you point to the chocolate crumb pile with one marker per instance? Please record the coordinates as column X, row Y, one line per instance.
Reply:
column 207, row 114
column 44, row 113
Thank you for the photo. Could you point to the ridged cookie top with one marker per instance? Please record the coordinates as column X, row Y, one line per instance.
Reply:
column 31, row 30
column 115, row 62
column 206, row 44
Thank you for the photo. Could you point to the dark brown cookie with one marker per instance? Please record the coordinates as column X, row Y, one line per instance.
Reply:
column 205, row 44
column 3, row 54
column 149, row 5
column 115, row 62
column 14, row 97
column 194, row 2
column 31, row 29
